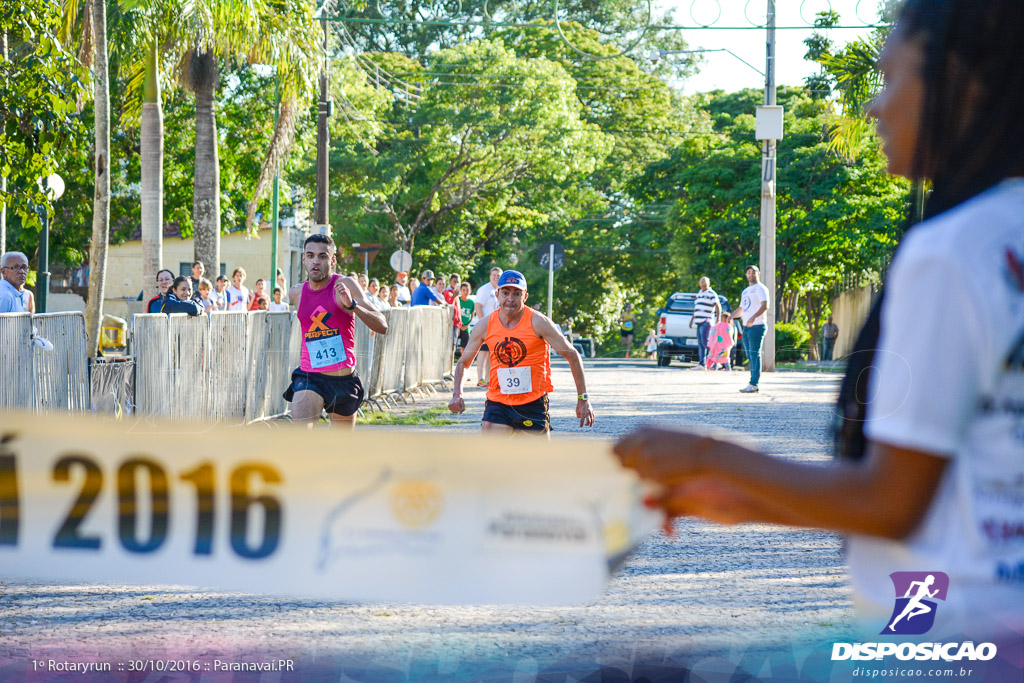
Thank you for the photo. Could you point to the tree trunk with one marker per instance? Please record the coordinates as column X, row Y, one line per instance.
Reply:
column 152, row 155
column 206, row 190
column 101, row 195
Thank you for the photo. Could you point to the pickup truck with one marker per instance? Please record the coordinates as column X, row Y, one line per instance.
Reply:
column 677, row 339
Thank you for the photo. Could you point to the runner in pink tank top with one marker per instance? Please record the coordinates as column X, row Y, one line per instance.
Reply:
column 328, row 330
column 328, row 306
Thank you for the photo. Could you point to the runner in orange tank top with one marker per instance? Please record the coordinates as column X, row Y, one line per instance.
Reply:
column 519, row 340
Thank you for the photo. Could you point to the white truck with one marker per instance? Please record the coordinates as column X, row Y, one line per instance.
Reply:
column 676, row 339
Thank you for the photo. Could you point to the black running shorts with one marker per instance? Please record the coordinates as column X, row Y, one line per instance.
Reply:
column 341, row 395
column 529, row 417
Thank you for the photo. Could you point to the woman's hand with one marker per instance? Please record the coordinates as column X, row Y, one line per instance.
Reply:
column 664, row 456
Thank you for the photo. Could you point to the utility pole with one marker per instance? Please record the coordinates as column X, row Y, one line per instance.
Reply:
column 323, row 140
column 768, row 168
column 276, row 190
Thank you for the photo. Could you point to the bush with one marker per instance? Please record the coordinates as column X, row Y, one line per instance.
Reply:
column 790, row 341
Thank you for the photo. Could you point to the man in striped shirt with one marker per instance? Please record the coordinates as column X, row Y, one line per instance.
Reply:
column 706, row 311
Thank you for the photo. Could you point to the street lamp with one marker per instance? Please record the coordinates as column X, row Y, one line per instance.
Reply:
column 53, row 187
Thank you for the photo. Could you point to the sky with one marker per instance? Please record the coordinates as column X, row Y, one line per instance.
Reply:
column 721, row 70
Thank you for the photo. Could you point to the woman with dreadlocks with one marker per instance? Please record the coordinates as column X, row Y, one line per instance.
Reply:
column 930, row 439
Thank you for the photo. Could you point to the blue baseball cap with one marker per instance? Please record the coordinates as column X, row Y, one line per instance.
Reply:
column 512, row 278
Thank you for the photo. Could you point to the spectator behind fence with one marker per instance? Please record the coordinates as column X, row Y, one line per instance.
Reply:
column 373, row 288
column 451, row 292
column 404, row 295
column 13, row 296
column 220, row 295
column 261, row 304
column 237, row 293
column 179, row 298
column 485, row 303
column 280, row 281
column 205, row 298
column 426, row 294
column 383, row 296
column 363, row 281
column 466, row 306
column 393, row 293
column 164, row 282
column 197, row 274
column 277, row 305
column 258, row 292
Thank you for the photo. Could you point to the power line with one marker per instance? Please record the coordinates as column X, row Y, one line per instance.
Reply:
column 552, row 27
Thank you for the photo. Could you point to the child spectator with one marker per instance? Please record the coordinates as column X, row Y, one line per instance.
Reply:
column 277, row 304
column 179, row 298
column 261, row 304
column 257, row 294
column 237, row 294
column 206, row 300
column 220, row 296
column 720, row 343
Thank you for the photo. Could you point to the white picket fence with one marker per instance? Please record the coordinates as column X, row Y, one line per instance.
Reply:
column 229, row 366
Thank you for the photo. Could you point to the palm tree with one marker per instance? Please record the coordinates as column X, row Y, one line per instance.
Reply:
column 101, row 193
column 280, row 34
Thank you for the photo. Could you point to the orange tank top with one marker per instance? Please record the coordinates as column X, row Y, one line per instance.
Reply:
column 520, row 361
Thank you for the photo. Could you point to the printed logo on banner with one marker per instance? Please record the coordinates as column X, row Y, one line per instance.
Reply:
column 915, row 607
column 416, row 503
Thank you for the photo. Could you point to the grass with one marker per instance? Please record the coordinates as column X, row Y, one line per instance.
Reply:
column 835, row 369
column 436, row 416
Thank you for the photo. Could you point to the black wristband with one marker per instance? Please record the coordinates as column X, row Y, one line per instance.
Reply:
column 352, row 307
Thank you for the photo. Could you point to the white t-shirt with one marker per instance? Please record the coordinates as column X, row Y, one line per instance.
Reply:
column 220, row 299
column 275, row 307
column 238, row 299
column 948, row 379
column 487, row 297
column 751, row 300
column 404, row 295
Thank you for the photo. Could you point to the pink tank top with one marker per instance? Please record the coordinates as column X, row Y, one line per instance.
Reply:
column 328, row 331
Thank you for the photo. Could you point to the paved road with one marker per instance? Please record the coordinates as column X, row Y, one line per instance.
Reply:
column 707, row 590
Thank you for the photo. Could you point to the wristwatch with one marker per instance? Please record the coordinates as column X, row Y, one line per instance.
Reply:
column 584, row 397
column 352, row 307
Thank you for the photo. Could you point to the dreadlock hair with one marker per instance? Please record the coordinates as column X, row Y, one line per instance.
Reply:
column 970, row 139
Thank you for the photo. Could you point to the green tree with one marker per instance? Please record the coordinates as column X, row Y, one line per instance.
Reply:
column 469, row 151
column 40, row 84
column 836, row 216
column 282, row 34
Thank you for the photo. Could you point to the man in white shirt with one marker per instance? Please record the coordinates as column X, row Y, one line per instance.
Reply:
column 486, row 302
column 13, row 297
column 754, row 304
